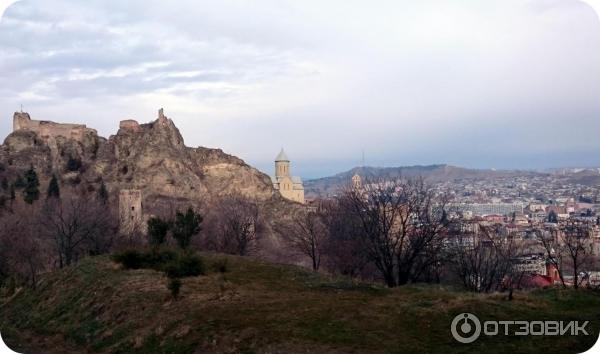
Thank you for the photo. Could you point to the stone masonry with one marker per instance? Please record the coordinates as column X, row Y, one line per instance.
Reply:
column 130, row 211
column 47, row 129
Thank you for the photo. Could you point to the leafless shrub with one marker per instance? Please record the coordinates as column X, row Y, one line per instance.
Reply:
column 306, row 235
column 569, row 248
column 343, row 249
column 234, row 226
column 21, row 249
column 484, row 261
column 401, row 225
column 77, row 226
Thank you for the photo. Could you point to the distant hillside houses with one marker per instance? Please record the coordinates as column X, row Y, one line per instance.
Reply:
column 488, row 208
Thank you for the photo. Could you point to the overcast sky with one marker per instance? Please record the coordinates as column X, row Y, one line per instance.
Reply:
column 487, row 84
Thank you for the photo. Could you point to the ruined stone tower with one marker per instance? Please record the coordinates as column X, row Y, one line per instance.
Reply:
column 130, row 211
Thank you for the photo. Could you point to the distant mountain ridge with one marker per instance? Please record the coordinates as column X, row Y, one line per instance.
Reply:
column 325, row 186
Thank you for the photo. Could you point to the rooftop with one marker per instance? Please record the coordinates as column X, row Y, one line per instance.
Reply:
column 282, row 156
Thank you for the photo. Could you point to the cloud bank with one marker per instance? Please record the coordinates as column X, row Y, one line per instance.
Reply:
column 502, row 84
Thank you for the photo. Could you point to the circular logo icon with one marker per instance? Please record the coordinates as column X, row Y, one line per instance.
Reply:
column 466, row 328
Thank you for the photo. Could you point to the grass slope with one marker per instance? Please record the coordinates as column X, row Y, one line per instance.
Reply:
column 260, row 307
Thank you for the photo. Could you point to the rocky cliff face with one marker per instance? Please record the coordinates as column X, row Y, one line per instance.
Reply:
column 151, row 157
column 155, row 160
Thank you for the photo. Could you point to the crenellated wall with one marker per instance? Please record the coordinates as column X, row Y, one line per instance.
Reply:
column 47, row 129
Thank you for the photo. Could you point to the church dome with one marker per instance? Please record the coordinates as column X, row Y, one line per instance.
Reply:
column 282, row 157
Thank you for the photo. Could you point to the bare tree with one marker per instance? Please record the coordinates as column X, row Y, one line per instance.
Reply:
column 484, row 261
column 343, row 247
column 402, row 222
column 77, row 226
column 22, row 251
column 568, row 246
column 28, row 257
column 306, row 235
column 576, row 246
column 236, row 225
column 553, row 251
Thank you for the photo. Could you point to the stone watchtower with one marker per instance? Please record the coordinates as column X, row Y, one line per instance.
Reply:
column 21, row 120
column 130, row 211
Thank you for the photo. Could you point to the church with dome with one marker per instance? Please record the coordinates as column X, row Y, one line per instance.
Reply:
column 289, row 186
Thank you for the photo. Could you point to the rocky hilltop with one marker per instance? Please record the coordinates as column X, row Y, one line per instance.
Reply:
column 150, row 157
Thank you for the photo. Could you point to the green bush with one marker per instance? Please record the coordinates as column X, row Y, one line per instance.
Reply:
column 157, row 231
column 156, row 259
column 185, row 226
column 130, row 259
column 174, row 265
column 191, row 266
column 185, row 266
column 220, row 265
column 174, row 286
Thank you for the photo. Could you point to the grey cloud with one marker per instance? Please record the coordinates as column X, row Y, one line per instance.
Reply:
column 508, row 83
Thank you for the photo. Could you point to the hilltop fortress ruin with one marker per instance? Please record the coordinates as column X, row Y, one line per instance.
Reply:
column 47, row 130
column 145, row 167
column 146, row 170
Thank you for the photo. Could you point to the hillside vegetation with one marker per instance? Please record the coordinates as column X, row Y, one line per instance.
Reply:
column 254, row 306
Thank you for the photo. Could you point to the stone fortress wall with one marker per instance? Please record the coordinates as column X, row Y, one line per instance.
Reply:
column 47, row 129
column 130, row 124
column 131, row 216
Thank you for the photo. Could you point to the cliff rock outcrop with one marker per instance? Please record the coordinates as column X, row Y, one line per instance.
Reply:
column 149, row 157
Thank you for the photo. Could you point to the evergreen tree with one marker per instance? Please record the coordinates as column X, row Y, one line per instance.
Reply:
column 4, row 183
column 53, row 188
column 185, row 226
column 19, row 182
column 157, row 231
column 31, row 192
column 103, row 193
column 552, row 217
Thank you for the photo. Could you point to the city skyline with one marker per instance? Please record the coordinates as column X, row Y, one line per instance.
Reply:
column 506, row 85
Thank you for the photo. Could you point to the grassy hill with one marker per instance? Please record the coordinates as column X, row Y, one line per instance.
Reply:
column 260, row 307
